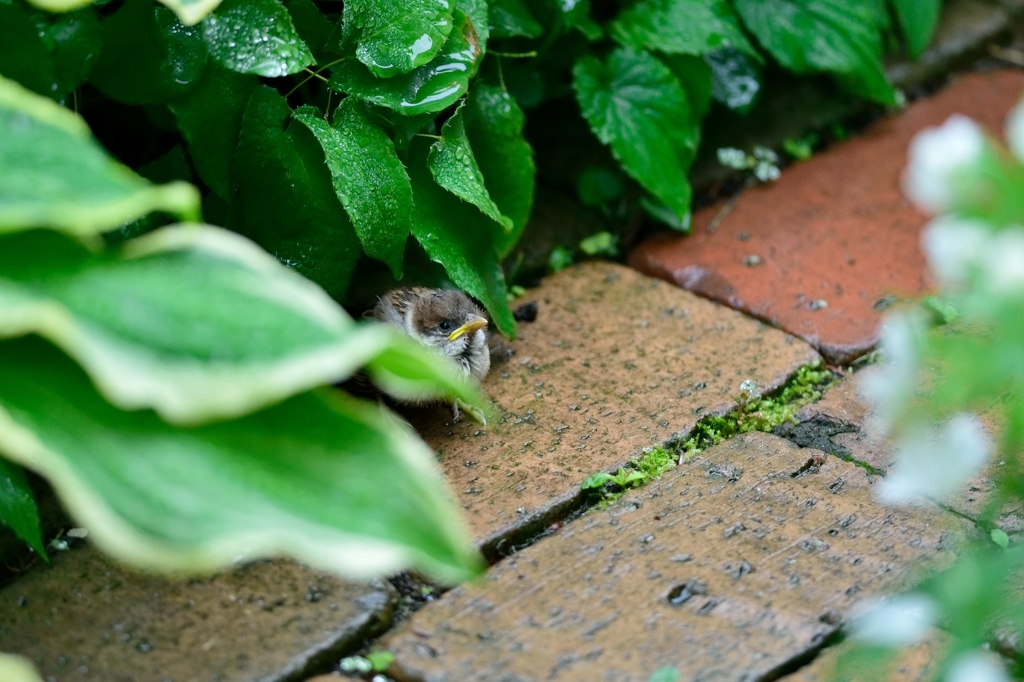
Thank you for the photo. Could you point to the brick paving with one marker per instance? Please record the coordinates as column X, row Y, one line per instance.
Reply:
column 729, row 567
column 827, row 248
column 87, row 619
column 615, row 362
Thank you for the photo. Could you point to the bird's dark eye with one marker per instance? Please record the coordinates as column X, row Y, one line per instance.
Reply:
column 446, row 326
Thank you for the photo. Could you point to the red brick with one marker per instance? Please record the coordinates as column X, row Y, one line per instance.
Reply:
column 836, row 228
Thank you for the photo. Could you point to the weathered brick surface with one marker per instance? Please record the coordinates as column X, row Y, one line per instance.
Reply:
column 615, row 362
column 88, row 619
column 774, row 542
column 834, row 238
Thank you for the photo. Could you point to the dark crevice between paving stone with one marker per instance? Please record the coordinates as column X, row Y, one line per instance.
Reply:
column 817, row 433
column 804, row 658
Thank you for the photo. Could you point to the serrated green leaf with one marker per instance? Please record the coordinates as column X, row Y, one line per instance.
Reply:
column 77, row 43
column 834, row 36
column 512, row 19
column 284, row 198
column 460, row 238
column 918, row 19
column 393, row 38
column 210, row 117
column 336, row 483
column 494, row 125
column 454, row 167
column 18, row 510
column 54, row 174
column 636, row 105
column 693, row 27
column 207, row 326
column 370, row 181
column 24, row 56
column 426, row 89
column 477, row 12
column 147, row 56
column 257, row 37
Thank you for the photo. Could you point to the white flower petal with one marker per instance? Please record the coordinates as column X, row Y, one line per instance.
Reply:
column 896, row 622
column 1015, row 131
column 890, row 387
column 954, row 248
column 977, row 667
column 933, row 463
column 935, row 154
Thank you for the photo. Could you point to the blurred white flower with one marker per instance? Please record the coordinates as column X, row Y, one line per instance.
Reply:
column 1015, row 131
column 933, row 462
column 896, row 622
column 959, row 250
column 733, row 158
column 977, row 667
column 935, row 154
column 890, row 387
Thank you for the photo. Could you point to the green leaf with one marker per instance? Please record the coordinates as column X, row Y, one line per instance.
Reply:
column 257, row 37
column 494, row 126
column 459, row 237
column 636, row 105
column 18, row 510
column 834, row 36
column 148, row 56
column 53, row 174
column 284, row 198
column 210, row 117
column 477, row 12
column 667, row 674
column 394, row 38
column 512, row 19
column 15, row 668
column 695, row 75
column 693, row 27
column 336, row 483
column 1000, row 537
column 77, row 42
column 429, row 88
column 369, row 180
column 918, row 19
column 454, row 167
column 206, row 326
column 24, row 56
column 596, row 480
column 314, row 29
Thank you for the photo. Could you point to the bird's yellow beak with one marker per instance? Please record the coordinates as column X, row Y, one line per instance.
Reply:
column 471, row 326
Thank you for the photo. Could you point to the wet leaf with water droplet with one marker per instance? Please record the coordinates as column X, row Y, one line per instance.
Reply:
column 459, row 237
column 494, row 125
column 370, row 181
column 681, row 26
column 256, row 36
column 392, row 38
column 283, row 197
column 455, row 168
column 77, row 43
column 148, row 56
column 428, row 88
column 833, row 36
column 313, row 27
column 636, row 105
column 210, row 116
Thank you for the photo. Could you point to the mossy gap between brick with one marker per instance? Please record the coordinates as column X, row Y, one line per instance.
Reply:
column 753, row 413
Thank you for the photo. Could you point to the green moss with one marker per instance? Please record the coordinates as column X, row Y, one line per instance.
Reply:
column 754, row 413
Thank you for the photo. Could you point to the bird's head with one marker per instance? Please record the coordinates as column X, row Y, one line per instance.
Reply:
column 449, row 321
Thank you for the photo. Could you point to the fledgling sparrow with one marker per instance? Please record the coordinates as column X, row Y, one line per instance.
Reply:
column 442, row 319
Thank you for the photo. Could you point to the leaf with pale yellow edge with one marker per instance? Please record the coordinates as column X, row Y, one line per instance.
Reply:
column 189, row 12
column 200, row 324
column 14, row 668
column 334, row 482
column 54, row 174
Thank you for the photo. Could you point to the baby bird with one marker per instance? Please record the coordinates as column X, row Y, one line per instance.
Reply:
column 442, row 319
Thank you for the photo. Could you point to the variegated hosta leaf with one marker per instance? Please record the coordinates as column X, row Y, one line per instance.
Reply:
column 332, row 481
column 189, row 11
column 54, row 174
column 196, row 322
